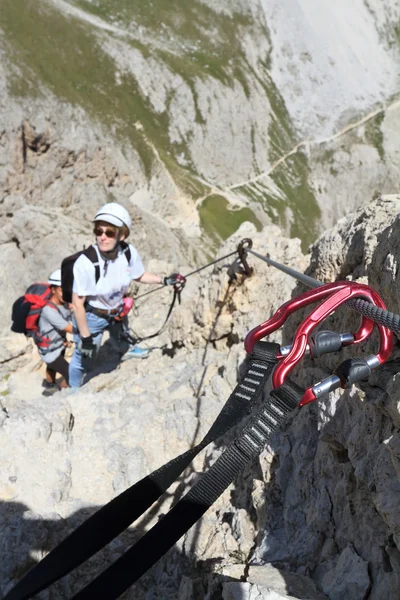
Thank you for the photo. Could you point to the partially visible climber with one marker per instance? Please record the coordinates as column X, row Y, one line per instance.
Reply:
column 54, row 324
column 99, row 279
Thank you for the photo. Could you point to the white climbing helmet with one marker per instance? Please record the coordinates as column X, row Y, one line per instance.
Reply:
column 55, row 278
column 115, row 214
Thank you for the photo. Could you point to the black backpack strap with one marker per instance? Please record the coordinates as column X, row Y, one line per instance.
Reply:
column 126, row 250
column 156, row 542
column 113, row 518
column 92, row 255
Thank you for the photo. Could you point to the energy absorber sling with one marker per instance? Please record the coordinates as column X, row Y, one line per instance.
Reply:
column 118, row 514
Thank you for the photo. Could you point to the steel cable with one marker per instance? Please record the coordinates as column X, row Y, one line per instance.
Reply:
column 379, row 315
column 163, row 287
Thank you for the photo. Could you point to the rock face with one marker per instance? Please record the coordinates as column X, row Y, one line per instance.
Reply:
column 129, row 411
column 316, row 516
column 334, row 515
column 199, row 120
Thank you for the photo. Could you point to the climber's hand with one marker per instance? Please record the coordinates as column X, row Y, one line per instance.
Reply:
column 175, row 279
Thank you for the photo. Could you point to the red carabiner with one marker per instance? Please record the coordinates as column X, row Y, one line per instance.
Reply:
column 351, row 290
column 279, row 318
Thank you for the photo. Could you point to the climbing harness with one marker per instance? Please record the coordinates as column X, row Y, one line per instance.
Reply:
column 265, row 419
column 129, row 335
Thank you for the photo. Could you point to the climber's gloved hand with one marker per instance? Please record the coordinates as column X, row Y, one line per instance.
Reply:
column 175, row 279
column 88, row 351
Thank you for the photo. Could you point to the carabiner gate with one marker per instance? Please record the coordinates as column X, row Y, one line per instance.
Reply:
column 333, row 296
column 281, row 315
column 320, row 314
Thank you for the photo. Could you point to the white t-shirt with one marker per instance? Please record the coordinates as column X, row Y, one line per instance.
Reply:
column 115, row 277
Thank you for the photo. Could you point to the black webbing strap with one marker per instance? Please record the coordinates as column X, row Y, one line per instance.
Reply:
column 91, row 254
column 156, row 542
column 136, row 340
column 113, row 518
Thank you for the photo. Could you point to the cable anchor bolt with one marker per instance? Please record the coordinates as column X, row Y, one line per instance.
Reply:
column 243, row 246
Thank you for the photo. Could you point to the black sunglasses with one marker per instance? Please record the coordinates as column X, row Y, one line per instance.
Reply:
column 110, row 233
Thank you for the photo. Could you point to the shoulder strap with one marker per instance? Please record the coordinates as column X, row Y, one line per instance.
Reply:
column 40, row 336
column 91, row 254
column 55, row 307
column 117, row 515
column 126, row 250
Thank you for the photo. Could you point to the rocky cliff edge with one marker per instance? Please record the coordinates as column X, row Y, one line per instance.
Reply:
column 316, row 516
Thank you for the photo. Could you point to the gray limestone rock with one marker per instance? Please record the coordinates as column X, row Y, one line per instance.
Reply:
column 349, row 579
column 316, row 516
column 270, row 120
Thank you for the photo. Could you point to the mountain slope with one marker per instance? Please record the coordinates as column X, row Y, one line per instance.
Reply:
column 232, row 104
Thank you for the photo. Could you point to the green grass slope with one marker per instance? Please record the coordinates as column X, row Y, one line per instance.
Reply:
column 49, row 50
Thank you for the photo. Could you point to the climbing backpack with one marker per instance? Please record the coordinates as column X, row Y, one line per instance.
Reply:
column 67, row 267
column 26, row 312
